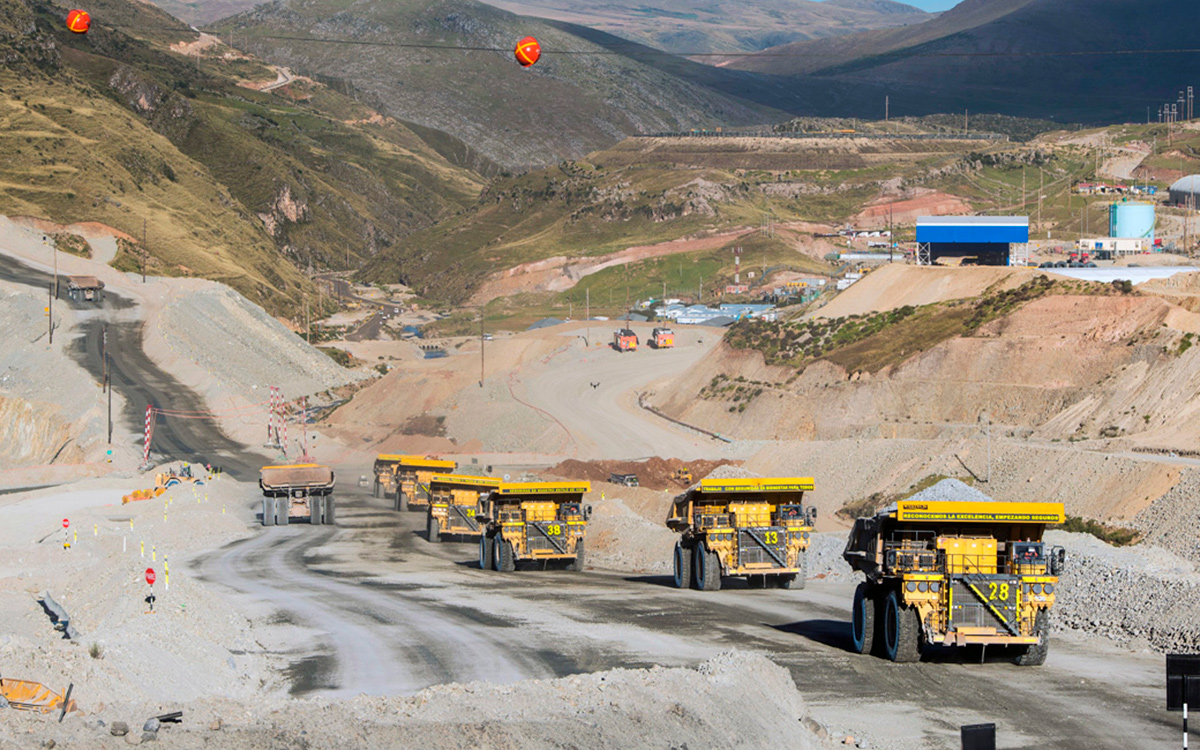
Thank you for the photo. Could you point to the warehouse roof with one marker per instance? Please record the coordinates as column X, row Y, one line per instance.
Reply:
column 1189, row 184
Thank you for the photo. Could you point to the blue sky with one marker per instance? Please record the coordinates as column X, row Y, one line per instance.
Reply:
column 932, row 5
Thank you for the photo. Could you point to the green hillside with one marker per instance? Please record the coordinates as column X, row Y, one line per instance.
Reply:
column 232, row 184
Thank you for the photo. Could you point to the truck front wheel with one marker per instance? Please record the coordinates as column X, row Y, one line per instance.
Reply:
column 505, row 559
column 901, row 630
column 433, row 529
column 683, row 566
column 485, row 551
column 862, row 620
column 1034, row 655
column 577, row 564
column 707, row 569
column 401, row 500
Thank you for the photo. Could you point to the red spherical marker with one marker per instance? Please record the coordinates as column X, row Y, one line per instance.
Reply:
column 66, row 524
column 79, row 21
column 528, row 51
column 150, row 576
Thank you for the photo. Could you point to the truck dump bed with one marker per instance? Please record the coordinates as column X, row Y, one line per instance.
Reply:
column 314, row 478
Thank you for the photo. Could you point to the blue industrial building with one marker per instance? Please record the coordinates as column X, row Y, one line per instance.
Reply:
column 987, row 240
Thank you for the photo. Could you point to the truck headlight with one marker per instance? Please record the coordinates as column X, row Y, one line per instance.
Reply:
column 1048, row 588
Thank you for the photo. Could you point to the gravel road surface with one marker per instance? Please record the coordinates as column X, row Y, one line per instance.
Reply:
column 372, row 607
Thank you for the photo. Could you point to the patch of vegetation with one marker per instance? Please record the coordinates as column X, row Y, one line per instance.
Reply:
column 1118, row 536
column 1184, row 344
column 426, row 425
column 96, row 651
column 341, row 356
column 737, row 391
column 72, row 243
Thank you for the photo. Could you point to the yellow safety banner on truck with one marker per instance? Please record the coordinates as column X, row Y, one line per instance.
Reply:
column 418, row 462
column 970, row 512
column 466, row 480
column 765, row 484
column 544, row 488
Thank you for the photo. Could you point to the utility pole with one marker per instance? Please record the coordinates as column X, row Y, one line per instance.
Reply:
column 587, row 313
column 143, row 251
column 55, row 251
column 887, row 105
column 481, row 347
column 1041, row 189
column 104, row 351
column 891, row 236
column 50, row 309
column 1023, row 202
column 307, row 330
column 967, row 121
column 108, row 385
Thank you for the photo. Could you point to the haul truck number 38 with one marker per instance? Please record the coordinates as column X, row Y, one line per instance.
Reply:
column 533, row 521
column 758, row 528
column 955, row 574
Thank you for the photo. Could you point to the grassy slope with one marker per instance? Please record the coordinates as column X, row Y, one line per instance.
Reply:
column 114, row 129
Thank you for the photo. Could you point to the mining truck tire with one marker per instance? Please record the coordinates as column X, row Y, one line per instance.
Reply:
column 505, row 562
column 707, row 569
column 901, row 630
column 401, row 500
column 283, row 507
column 1035, row 655
column 683, row 566
column 577, row 564
column 862, row 620
column 486, row 552
column 268, row 506
column 329, row 504
column 433, row 530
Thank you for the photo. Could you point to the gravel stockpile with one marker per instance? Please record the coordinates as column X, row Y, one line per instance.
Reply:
column 243, row 348
column 949, row 490
column 1173, row 521
column 825, row 557
column 735, row 699
column 1144, row 596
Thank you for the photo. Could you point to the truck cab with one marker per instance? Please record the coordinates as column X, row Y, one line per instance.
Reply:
column 385, row 474
column 757, row 528
column 533, row 522
column 954, row 574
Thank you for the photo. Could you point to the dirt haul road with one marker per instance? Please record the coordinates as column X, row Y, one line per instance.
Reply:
column 372, row 607
column 592, row 393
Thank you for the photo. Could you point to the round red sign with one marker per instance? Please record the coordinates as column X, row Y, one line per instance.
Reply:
column 150, row 576
column 66, row 523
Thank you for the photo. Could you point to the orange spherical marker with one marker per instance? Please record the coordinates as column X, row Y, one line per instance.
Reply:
column 528, row 51
column 79, row 21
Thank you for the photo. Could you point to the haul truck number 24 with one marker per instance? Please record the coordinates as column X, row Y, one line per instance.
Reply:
column 954, row 574
column 454, row 504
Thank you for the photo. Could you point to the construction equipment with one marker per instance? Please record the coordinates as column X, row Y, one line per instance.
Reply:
column 758, row 528
column 385, row 475
column 454, row 503
column 954, row 574
column 297, row 491
column 34, row 696
column 683, row 475
column 411, row 477
column 625, row 480
column 539, row 521
column 625, row 340
column 165, row 480
column 662, row 338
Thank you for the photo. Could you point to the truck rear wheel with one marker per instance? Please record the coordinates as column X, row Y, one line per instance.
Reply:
column 376, row 491
column 328, row 502
column 862, row 620
column 577, row 564
column 268, row 511
column 790, row 581
column 283, row 507
column 315, row 511
column 505, row 560
column 901, row 630
column 707, row 569
column 433, row 530
column 1035, row 655
column 683, row 566
column 485, row 552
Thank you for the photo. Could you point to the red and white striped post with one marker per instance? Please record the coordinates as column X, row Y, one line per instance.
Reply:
column 283, row 444
column 149, row 430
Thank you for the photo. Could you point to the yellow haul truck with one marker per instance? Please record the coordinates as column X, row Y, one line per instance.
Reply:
column 954, row 574
column 454, row 504
column 757, row 528
column 296, row 491
column 412, row 475
column 537, row 521
column 385, row 473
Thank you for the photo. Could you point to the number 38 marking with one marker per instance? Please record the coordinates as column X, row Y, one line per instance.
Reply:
column 771, row 537
column 998, row 591
column 554, row 529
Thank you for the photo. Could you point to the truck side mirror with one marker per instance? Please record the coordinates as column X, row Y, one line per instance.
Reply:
column 1058, row 560
column 587, row 512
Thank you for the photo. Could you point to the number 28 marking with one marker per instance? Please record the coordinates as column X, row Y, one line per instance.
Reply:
column 998, row 588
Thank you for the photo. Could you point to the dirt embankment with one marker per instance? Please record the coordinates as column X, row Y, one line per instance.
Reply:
column 897, row 285
column 906, row 210
column 1062, row 372
column 654, row 473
